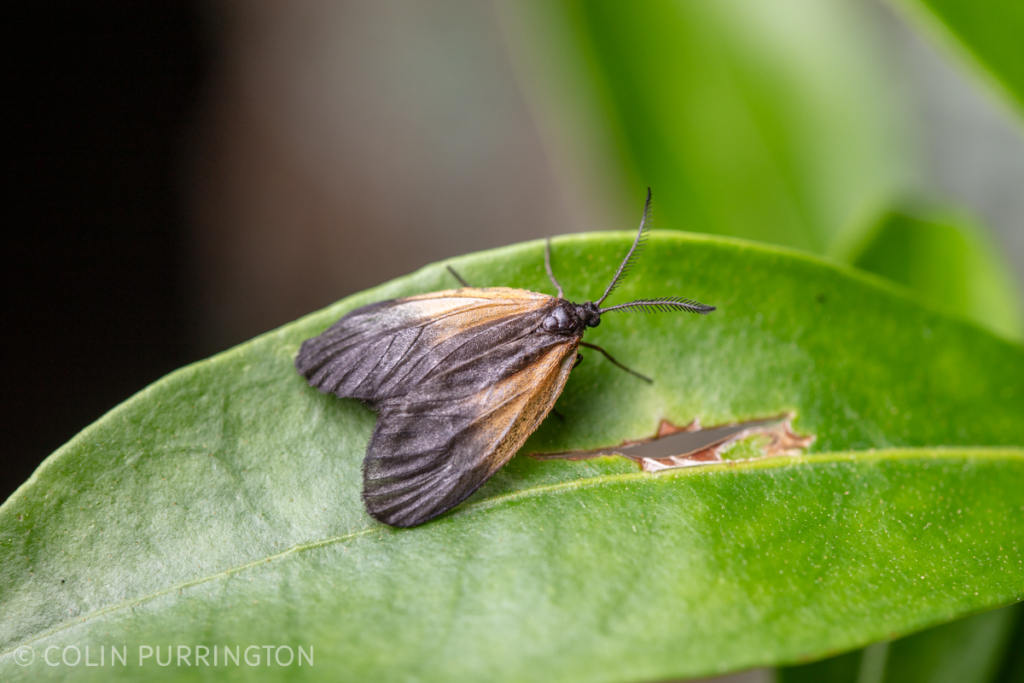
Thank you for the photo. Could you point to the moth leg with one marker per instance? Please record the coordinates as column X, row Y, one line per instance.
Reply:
column 579, row 359
column 558, row 415
column 458, row 277
column 617, row 363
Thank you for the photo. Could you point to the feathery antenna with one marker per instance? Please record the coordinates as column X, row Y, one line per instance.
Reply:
column 634, row 251
column 667, row 305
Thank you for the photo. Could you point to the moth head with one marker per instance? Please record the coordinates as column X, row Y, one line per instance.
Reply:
column 589, row 314
column 569, row 318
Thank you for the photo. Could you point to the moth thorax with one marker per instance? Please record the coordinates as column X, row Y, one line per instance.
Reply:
column 561, row 319
column 570, row 318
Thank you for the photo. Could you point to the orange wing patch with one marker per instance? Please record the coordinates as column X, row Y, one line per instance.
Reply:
column 456, row 310
column 524, row 400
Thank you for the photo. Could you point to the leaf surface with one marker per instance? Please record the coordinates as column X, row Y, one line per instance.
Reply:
column 949, row 258
column 220, row 506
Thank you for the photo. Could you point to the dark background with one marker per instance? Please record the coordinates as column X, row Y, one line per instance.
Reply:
column 95, row 97
column 178, row 177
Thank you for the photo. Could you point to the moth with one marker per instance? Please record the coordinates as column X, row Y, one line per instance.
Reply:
column 459, row 379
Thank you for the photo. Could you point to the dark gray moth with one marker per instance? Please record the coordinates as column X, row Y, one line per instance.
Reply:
column 459, row 380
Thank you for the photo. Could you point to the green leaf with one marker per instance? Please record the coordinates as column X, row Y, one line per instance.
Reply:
column 220, row 506
column 985, row 34
column 770, row 121
column 947, row 257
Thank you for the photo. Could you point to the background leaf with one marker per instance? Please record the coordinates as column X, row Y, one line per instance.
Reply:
column 986, row 34
column 220, row 506
column 844, row 668
column 944, row 255
column 966, row 651
column 774, row 122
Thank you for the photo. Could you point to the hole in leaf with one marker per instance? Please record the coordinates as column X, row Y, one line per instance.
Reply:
column 674, row 446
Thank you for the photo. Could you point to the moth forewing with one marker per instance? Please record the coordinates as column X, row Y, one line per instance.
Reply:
column 379, row 350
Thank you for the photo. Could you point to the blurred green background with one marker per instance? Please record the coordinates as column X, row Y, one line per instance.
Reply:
column 347, row 143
